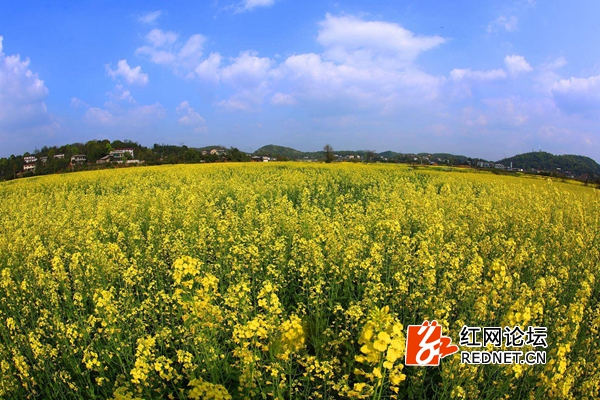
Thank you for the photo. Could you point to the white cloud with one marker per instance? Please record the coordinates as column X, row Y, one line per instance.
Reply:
column 22, row 94
column 234, row 104
column 367, row 63
column 351, row 41
column 248, row 5
column 164, row 48
column 547, row 76
column 516, row 64
column 125, row 117
column 578, row 95
column 158, row 38
column 246, row 70
column 160, row 46
column 133, row 76
column 98, row 116
column 120, row 94
column 248, row 74
column 465, row 78
column 458, row 75
column 508, row 24
column 192, row 50
column 209, row 68
column 555, row 64
column 150, row 17
column 190, row 117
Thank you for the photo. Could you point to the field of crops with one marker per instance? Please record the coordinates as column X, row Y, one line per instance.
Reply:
column 291, row 281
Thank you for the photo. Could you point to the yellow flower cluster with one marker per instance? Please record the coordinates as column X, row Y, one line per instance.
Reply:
column 291, row 281
column 383, row 346
column 202, row 390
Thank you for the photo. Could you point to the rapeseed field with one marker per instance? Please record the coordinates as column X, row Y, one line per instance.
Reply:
column 291, row 281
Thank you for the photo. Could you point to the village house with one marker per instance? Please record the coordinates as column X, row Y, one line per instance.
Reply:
column 29, row 159
column 118, row 153
column 29, row 167
column 59, row 156
column 104, row 159
column 78, row 159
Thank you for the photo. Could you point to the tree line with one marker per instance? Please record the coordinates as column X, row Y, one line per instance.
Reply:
column 12, row 167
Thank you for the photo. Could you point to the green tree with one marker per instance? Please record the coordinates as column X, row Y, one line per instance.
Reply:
column 370, row 156
column 329, row 156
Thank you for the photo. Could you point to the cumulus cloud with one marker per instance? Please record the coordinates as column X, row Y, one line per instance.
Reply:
column 578, row 95
column 120, row 111
column 98, row 116
column 150, row 17
column 129, row 117
column 190, row 117
column 458, row 74
column 209, row 69
column 22, row 94
column 120, row 94
column 516, row 64
column 464, row 79
column 370, row 63
column 503, row 23
column 164, row 48
column 246, row 70
column 352, row 41
column 133, row 76
column 547, row 75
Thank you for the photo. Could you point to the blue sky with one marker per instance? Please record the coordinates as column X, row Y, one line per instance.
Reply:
column 465, row 77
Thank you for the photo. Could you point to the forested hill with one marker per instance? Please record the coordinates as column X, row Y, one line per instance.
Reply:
column 577, row 165
column 281, row 151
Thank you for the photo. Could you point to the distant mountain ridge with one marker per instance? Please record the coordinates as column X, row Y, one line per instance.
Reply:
column 293, row 154
column 541, row 160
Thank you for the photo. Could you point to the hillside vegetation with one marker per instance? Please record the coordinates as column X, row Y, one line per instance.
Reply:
column 577, row 165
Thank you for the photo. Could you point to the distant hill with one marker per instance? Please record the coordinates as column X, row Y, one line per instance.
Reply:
column 287, row 152
column 577, row 165
column 389, row 154
column 450, row 158
column 293, row 154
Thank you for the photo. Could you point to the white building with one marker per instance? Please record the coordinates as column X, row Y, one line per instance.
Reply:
column 218, row 152
column 117, row 153
column 78, row 159
column 29, row 167
column 29, row 159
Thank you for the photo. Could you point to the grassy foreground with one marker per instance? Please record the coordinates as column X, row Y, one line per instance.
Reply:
column 278, row 281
